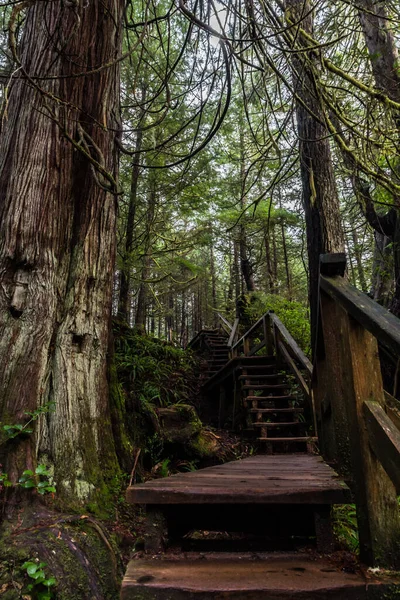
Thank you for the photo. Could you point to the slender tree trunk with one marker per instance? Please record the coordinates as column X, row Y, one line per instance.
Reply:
column 236, row 269
column 270, row 273
column 285, row 253
column 358, row 257
column 320, row 197
column 245, row 264
column 213, row 287
column 140, row 318
column 57, row 243
column 124, row 296
column 382, row 270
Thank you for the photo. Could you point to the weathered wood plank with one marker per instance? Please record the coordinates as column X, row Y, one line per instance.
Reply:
column 295, row 370
column 376, row 319
column 384, row 438
column 291, row 344
column 290, row 479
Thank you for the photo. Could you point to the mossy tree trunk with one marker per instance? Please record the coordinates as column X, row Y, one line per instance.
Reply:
column 58, row 168
column 320, row 196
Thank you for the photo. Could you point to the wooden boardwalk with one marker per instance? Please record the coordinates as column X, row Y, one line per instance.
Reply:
column 264, row 479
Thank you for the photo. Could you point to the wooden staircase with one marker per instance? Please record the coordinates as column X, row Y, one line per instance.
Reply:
column 272, row 512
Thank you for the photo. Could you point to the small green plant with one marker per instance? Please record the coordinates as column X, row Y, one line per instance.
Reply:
column 40, row 586
column 164, row 468
column 4, row 481
column 37, row 480
column 12, row 431
column 345, row 526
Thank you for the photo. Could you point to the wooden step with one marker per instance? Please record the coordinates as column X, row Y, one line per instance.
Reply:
column 276, row 410
column 258, row 377
column 256, row 367
column 268, row 398
column 275, row 425
column 250, row 576
column 249, row 481
column 269, row 386
column 288, row 439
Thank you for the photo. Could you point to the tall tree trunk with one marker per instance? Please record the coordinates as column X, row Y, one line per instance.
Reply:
column 320, row 197
column 245, row 264
column 382, row 270
column 57, row 242
column 123, row 304
column 270, row 272
column 236, row 269
column 213, row 287
column 140, row 318
column 358, row 257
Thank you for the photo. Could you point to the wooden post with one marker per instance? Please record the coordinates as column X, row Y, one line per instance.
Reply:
column 377, row 508
column 331, row 392
column 246, row 346
column 268, row 335
column 352, row 360
column 156, row 530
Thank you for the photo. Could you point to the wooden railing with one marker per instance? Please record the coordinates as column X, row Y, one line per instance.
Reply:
column 356, row 425
column 271, row 336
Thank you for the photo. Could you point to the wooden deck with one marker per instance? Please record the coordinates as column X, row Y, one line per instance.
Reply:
column 264, row 479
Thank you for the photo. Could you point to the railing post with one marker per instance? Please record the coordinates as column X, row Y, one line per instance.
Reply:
column 246, row 346
column 352, row 362
column 268, row 335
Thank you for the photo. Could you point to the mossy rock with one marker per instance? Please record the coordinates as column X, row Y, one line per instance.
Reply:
column 179, row 424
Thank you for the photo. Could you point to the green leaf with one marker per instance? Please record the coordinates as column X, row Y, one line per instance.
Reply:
column 44, row 595
column 50, row 582
column 28, row 484
column 38, row 575
column 32, row 569
column 41, row 470
column 28, row 472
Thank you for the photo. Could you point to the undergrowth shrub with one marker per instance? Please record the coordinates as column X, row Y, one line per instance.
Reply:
column 292, row 314
column 157, row 372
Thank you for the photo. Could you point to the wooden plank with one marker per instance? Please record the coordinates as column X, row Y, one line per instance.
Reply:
column 290, row 479
column 392, row 409
column 291, row 344
column 376, row 319
column 233, row 333
column 269, row 344
column 384, row 438
column 309, row 495
column 332, row 389
column 257, row 348
column 295, row 370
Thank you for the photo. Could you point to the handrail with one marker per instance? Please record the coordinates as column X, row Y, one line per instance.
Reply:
column 249, row 331
column 371, row 315
column 291, row 344
column 276, row 337
column 225, row 322
column 233, row 333
column 356, row 424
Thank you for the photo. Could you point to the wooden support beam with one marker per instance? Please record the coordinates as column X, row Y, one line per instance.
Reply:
column 156, row 530
column 384, row 438
column 331, row 390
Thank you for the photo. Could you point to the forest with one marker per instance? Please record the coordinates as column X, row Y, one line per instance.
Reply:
column 166, row 168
